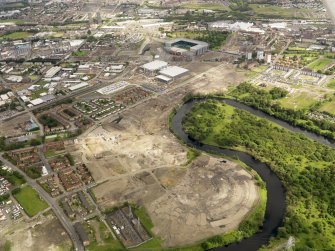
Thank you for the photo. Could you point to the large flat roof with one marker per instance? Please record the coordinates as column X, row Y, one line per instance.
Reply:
column 164, row 78
column 173, row 71
column 154, row 65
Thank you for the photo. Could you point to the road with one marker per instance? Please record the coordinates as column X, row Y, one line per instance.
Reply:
column 53, row 205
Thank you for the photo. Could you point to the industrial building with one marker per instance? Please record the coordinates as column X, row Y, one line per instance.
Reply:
column 52, row 71
column 186, row 47
column 173, row 72
column 154, row 66
column 164, row 72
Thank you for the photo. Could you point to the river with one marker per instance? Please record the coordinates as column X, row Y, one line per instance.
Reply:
column 275, row 206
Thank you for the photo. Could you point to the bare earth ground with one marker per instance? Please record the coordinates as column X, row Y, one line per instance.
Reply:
column 41, row 234
column 139, row 160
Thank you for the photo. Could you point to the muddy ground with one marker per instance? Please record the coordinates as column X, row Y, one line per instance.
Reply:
column 139, row 160
column 44, row 233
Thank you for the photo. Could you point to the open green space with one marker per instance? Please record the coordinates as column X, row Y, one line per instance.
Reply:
column 80, row 53
column 320, row 64
column 305, row 167
column 30, row 201
column 15, row 21
column 276, row 11
column 15, row 178
column 16, row 35
column 331, row 84
column 298, row 100
column 205, row 6
column 328, row 107
column 100, row 237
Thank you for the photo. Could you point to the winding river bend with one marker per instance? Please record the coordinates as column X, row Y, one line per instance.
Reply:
column 275, row 207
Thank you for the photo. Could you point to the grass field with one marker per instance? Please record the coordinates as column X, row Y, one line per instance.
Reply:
column 331, row 84
column 30, row 201
column 299, row 100
column 320, row 64
column 80, row 53
column 271, row 10
column 328, row 107
column 16, row 35
column 204, row 6
column 15, row 21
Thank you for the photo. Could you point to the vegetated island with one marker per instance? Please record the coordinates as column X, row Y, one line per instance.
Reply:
column 305, row 167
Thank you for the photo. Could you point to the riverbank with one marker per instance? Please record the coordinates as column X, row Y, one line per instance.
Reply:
column 275, row 205
column 300, row 163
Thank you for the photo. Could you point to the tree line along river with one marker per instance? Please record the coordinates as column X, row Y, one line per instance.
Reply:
column 275, row 206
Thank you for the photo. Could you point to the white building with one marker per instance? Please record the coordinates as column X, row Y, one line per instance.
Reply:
column 154, row 66
column 173, row 72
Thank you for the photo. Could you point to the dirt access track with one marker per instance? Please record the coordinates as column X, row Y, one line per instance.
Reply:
column 139, row 160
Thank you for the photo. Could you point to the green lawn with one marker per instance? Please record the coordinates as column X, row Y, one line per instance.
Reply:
column 16, row 35
column 320, row 64
column 30, row 201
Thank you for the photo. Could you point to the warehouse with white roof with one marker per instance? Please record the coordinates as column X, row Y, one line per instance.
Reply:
column 173, row 72
column 154, row 66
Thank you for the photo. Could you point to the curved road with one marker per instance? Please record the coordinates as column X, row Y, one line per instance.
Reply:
column 78, row 245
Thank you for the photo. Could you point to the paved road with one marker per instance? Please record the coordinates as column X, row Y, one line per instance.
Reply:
column 53, row 205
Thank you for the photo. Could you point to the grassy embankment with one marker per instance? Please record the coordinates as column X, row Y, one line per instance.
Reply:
column 306, row 168
column 320, row 64
column 16, row 35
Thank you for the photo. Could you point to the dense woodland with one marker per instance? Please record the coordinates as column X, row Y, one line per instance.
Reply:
column 265, row 101
column 305, row 167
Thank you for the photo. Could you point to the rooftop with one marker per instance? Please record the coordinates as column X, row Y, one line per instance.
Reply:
column 155, row 65
column 173, row 71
